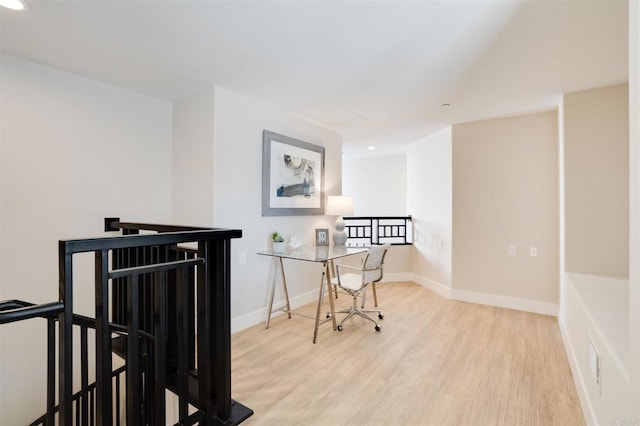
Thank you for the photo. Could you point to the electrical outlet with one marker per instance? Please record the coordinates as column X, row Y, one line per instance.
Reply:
column 511, row 250
column 242, row 258
column 533, row 251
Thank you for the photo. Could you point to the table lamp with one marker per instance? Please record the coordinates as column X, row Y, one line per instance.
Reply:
column 339, row 205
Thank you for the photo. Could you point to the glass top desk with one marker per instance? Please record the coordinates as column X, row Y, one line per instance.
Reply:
column 319, row 254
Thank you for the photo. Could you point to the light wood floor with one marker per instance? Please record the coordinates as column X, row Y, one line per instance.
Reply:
column 435, row 362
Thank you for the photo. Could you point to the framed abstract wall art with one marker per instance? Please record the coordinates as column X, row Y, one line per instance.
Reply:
column 292, row 176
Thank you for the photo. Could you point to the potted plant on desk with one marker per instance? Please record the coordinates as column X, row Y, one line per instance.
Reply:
column 278, row 242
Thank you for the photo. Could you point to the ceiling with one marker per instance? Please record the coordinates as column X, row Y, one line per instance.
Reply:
column 375, row 71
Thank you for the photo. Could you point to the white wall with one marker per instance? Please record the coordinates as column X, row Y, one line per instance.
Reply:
column 429, row 201
column 596, row 145
column 505, row 191
column 239, row 122
column 192, row 195
column 378, row 185
column 73, row 151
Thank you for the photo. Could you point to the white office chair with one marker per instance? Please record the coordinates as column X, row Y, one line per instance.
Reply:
column 356, row 283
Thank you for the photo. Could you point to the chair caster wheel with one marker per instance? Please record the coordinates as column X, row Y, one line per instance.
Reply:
column 328, row 315
column 380, row 316
column 377, row 328
column 339, row 328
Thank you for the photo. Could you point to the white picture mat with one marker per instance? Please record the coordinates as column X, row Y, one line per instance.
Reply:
column 281, row 175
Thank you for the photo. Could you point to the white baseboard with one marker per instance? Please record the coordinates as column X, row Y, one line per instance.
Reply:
column 499, row 301
column 260, row 315
column 527, row 305
column 434, row 286
column 393, row 277
column 587, row 408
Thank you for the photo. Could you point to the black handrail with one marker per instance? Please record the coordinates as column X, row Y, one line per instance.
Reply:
column 114, row 224
column 18, row 310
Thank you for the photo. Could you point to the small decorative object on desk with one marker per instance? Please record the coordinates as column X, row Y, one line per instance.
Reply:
column 322, row 237
column 295, row 242
column 278, row 242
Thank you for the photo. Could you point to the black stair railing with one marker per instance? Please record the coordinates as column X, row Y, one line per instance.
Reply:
column 83, row 401
column 170, row 323
column 18, row 310
column 369, row 230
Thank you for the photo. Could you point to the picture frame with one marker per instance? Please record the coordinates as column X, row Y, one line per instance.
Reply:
column 292, row 176
column 322, row 236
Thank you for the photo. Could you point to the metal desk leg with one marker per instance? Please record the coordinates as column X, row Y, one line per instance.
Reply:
column 284, row 287
column 320, row 297
column 273, row 291
column 330, row 290
column 279, row 269
column 332, row 268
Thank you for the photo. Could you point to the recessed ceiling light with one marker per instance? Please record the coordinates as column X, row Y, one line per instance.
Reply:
column 371, row 148
column 445, row 106
column 14, row 4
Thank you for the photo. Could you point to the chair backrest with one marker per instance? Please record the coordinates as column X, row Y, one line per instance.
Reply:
column 373, row 263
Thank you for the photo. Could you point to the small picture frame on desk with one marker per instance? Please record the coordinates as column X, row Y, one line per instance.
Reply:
column 322, row 236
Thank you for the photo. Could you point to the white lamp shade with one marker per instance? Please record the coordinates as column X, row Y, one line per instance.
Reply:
column 339, row 205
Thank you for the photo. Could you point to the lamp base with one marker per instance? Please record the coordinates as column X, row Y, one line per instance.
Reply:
column 339, row 236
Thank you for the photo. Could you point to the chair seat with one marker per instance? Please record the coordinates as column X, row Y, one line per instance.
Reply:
column 352, row 282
